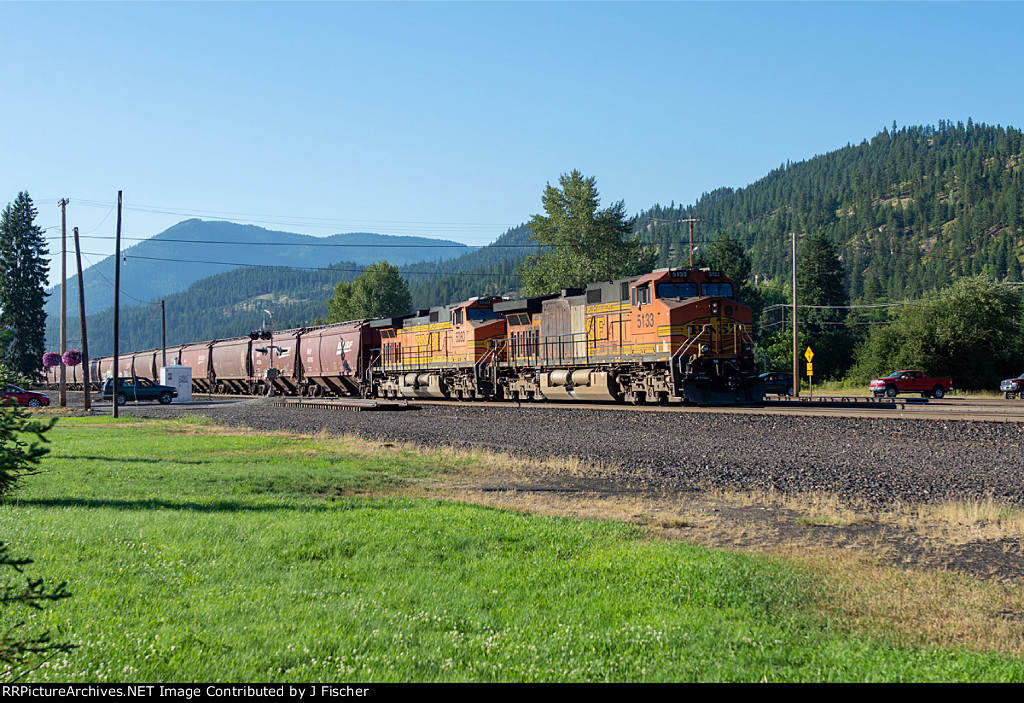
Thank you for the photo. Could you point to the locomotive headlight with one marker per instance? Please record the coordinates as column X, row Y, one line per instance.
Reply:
column 746, row 347
column 705, row 348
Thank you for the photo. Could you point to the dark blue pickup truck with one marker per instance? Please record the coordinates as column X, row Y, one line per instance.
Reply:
column 138, row 388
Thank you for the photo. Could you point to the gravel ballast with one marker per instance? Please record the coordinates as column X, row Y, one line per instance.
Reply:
column 877, row 461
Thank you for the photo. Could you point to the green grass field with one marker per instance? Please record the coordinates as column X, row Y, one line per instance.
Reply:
column 195, row 555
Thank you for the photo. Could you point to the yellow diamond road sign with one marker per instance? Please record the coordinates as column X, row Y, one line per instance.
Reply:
column 808, row 355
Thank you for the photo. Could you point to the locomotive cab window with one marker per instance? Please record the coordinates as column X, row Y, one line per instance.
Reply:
column 481, row 314
column 677, row 290
column 457, row 317
column 722, row 290
column 642, row 295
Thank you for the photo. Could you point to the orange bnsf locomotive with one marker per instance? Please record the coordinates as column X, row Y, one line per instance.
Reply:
column 673, row 334
column 670, row 335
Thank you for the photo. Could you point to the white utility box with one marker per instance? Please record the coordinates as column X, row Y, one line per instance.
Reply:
column 179, row 377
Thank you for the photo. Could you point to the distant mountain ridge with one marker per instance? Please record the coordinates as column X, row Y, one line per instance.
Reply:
column 231, row 303
column 166, row 263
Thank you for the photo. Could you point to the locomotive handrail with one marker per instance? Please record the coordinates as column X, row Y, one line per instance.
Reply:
column 491, row 357
column 546, row 344
column 757, row 350
column 689, row 342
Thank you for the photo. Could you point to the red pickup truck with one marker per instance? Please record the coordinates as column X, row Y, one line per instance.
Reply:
column 911, row 382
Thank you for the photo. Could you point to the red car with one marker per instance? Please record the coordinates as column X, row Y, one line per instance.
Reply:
column 23, row 397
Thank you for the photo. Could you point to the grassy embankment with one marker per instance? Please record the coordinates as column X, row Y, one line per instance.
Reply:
column 197, row 554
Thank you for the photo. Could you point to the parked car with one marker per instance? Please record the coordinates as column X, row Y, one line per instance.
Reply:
column 20, row 396
column 910, row 382
column 777, row 382
column 1013, row 387
column 138, row 388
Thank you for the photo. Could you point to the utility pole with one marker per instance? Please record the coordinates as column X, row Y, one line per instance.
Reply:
column 271, row 374
column 796, row 342
column 163, row 335
column 691, row 220
column 63, row 299
column 86, row 398
column 117, row 300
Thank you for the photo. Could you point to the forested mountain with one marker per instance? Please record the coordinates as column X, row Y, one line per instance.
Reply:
column 194, row 249
column 910, row 210
column 231, row 304
column 490, row 270
column 226, row 305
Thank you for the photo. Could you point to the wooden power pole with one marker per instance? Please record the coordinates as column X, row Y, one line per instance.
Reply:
column 63, row 299
column 796, row 341
column 691, row 220
column 117, row 300
column 86, row 398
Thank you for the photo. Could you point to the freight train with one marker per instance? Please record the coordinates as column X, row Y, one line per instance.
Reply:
column 670, row 335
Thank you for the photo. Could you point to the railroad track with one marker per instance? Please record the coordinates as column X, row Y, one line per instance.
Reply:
column 903, row 407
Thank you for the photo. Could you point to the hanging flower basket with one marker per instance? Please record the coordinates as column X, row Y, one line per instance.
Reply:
column 51, row 359
column 72, row 357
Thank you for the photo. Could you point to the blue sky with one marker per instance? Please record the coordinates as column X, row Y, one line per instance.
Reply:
column 448, row 119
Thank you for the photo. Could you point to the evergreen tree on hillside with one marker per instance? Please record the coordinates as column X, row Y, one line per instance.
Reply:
column 726, row 254
column 23, row 272
column 820, row 280
column 913, row 207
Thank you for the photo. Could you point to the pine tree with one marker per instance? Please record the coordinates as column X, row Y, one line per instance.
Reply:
column 821, row 279
column 22, row 648
column 23, row 273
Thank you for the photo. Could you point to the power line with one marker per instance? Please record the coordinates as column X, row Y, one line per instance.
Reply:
column 319, row 244
column 299, row 220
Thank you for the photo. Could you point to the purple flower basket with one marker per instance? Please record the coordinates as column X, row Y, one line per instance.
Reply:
column 72, row 357
column 51, row 359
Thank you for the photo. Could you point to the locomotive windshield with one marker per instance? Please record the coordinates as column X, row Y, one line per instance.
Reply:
column 481, row 314
column 722, row 290
column 677, row 290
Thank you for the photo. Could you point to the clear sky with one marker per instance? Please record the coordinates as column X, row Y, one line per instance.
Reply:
column 448, row 119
